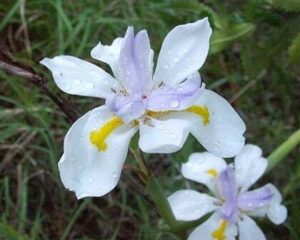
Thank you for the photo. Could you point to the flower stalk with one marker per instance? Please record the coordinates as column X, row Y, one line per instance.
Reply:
column 283, row 149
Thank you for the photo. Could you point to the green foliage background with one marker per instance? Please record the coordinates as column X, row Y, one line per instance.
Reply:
column 253, row 62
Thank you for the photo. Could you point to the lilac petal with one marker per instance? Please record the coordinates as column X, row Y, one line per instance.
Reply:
column 258, row 198
column 126, row 107
column 229, row 211
column 134, row 63
column 227, row 185
column 177, row 98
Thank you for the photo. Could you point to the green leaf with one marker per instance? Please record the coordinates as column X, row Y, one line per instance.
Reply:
column 9, row 233
column 287, row 5
column 221, row 39
column 294, row 49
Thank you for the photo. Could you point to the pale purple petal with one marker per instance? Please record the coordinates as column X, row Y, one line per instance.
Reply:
column 229, row 211
column 184, row 95
column 144, row 65
column 258, row 198
column 134, row 62
column 227, row 185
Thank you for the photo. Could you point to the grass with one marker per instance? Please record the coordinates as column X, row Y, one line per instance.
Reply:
column 252, row 70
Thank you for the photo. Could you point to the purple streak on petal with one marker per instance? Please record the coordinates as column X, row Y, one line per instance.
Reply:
column 229, row 211
column 126, row 107
column 177, row 98
column 134, row 62
column 258, row 198
column 227, row 185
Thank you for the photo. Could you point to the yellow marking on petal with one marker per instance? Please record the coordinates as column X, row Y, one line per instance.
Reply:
column 219, row 234
column 99, row 137
column 201, row 111
column 212, row 172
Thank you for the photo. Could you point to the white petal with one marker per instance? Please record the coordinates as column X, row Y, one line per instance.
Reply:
column 203, row 168
column 206, row 230
column 275, row 211
column 164, row 135
column 183, row 52
column 109, row 54
column 223, row 135
column 188, row 205
column 83, row 168
column 75, row 76
column 249, row 166
column 248, row 230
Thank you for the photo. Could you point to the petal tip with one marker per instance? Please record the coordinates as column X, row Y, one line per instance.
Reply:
column 45, row 61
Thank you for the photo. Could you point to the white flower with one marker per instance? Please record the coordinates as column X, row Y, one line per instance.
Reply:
column 233, row 204
column 164, row 108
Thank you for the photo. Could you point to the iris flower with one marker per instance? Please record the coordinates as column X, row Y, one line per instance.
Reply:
column 165, row 106
column 233, row 204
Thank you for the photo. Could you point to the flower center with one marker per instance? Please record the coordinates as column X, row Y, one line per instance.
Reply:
column 98, row 137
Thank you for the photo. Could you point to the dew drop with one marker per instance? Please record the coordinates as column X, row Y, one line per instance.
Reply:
column 185, row 50
column 89, row 85
column 77, row 81
column 90, row 180
column 80, row 168
column 176, row 60
column 115, row 175
column 166, row 67
column 174, row 103
column 169, row 52
column 172, row 136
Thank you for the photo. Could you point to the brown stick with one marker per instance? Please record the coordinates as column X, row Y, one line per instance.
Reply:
column 11, row 66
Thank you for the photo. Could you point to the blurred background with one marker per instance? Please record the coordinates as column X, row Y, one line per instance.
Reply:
column 253, row 63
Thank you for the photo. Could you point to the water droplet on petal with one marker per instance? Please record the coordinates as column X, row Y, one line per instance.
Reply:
column 185, row 50
column 115, row 175
column 166, row 67
column 91, row 180
column 77, row 82
column 174, row 103
column 89, row 85
column 169, row 52
column 176, row 60
column 172, row 136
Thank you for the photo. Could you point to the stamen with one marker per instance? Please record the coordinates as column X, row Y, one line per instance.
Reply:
column 201, row 111
column 212, row 172
column 219, row 234
column 99, row 137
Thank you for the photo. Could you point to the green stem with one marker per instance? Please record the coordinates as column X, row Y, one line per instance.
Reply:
column 140, row 160
column 160, row 200
column 284, row 149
